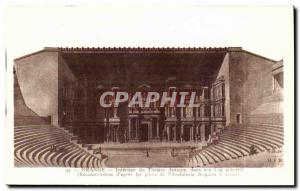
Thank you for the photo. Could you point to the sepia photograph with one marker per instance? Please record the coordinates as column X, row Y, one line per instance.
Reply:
column 162, row 107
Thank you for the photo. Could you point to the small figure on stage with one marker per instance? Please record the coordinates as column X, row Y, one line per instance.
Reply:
column 173, row 153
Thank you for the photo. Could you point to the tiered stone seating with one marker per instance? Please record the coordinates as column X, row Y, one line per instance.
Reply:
column 235, row 142
column 33, row 149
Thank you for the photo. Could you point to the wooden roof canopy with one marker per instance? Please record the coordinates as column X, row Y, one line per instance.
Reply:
column 144, row 65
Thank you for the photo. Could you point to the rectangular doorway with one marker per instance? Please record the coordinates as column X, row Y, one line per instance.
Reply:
column 144, row 132
column 187, row 132
column 238, row 118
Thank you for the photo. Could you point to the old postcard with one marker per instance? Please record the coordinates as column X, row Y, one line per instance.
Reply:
column 184, row 100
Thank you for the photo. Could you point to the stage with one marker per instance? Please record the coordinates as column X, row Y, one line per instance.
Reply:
column 147, row 154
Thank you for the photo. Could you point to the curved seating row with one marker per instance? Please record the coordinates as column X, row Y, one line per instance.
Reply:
column 236, row 142
column 33, row 148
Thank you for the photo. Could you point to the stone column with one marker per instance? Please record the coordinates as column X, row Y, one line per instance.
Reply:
column 197, row 132
column 166, row 112
column 168, row 132
column 181, row 112
column 202, row 110
column 129, row 128
column 175, row 133
column 181, row 132
column 203, row 92
column 134, row 129
column 151, row 132
column 212, row 110
column 150, row 129
column 223, row 109
column 157, row 128
column 192, row 134
column 109, row 132
column 116, row 133
column 212, row 128
column 137, row 129
column 202, row 132
column 115, row 112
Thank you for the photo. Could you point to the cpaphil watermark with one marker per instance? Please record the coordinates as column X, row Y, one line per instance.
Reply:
column 174, row 99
